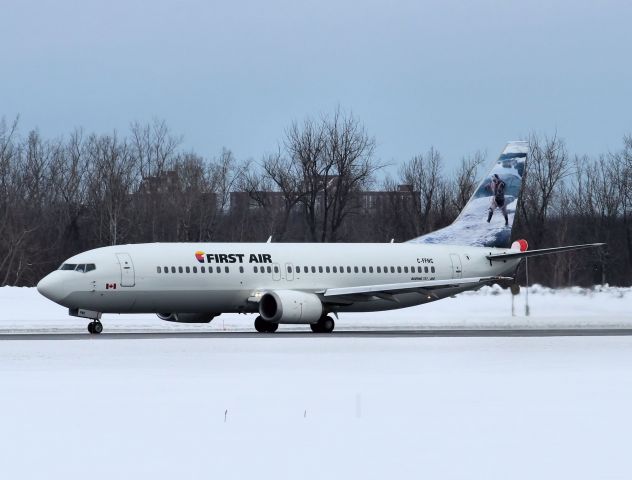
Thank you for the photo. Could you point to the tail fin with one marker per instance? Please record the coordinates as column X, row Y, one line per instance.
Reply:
column 487, row 219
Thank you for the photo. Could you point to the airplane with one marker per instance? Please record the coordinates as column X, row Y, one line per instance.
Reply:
column 304, row 283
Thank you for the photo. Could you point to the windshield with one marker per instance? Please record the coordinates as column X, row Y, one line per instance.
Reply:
column 81, row 267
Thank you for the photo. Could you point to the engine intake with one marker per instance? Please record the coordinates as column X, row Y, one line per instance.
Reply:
column 187, row 317
column 290, row 306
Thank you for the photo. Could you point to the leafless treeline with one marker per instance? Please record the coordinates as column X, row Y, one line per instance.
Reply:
column 62, row 196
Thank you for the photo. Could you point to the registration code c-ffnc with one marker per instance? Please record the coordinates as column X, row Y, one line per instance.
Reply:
column 425, row 260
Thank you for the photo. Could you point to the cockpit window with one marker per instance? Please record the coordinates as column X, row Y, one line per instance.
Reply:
column 81, row 267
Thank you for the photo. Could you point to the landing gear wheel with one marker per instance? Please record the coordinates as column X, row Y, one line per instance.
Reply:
column 263, row 326
column 324, row 325
column 95, row 327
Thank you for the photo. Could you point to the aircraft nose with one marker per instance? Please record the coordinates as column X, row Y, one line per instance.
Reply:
column 52, row 287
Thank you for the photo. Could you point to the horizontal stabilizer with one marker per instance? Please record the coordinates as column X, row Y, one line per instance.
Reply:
column 542, row 251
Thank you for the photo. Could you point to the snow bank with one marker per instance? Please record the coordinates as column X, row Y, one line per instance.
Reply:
column 490, row 307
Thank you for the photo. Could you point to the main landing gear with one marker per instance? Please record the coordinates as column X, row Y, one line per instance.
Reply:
column 95, row 327
column 265, row 327
column 325, row 324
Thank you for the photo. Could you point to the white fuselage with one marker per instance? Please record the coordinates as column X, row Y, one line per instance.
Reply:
column 227, row 277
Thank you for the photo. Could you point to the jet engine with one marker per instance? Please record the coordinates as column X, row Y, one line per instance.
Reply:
column 290, row 306
column 187, row 317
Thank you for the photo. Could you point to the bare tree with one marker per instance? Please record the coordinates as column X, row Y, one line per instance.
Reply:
column 423, row 173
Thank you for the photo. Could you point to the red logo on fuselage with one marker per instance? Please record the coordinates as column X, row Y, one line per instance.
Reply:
column 109, row 286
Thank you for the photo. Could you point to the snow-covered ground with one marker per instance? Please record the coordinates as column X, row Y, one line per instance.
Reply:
column 23, row 309
column 322, row 406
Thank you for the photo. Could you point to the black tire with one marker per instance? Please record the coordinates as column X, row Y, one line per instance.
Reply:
column 327, row 325
column 315, row 327
column 261, row 325
column 91, row 327
column 272, row 327
column 97, row 328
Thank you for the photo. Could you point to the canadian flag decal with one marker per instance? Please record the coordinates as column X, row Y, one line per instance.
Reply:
column 110, row 285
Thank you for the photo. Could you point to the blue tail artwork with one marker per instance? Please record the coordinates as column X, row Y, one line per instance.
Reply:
column 488, row 217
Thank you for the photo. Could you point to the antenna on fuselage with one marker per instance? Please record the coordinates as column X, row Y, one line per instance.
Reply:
column 392, row 240
column 269, row 239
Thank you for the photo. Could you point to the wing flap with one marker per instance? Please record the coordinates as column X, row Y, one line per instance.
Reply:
column 389, row 289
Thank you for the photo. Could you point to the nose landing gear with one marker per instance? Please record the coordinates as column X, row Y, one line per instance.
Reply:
column 95, row 327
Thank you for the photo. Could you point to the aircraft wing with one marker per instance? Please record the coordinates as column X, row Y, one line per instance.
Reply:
column 542, row 251
column 385, row 290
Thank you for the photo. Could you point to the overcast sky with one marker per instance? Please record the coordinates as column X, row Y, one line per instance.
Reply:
column 459, row 75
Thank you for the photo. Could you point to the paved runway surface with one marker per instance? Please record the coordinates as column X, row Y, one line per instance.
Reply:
column 139, row 335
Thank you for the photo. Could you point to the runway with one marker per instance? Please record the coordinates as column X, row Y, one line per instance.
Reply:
column 460, row 333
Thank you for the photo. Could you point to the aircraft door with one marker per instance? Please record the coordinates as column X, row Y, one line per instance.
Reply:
column 289, row 271
column 128, row 278
column 457, row 271
column 276, row 271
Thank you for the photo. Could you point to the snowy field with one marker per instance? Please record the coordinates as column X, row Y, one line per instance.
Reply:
column 323, row 406
column 25, row 310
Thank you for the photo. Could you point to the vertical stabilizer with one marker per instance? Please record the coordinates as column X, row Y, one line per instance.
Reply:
column 488, row 217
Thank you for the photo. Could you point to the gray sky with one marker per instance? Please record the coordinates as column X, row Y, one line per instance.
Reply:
column 459, row 75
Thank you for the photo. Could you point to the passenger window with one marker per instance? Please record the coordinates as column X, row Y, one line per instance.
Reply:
column 158, row 269
column 370, row 269
column 166, row 269
column 313, row 269
column 385, row 269
column 348, row 269
column 173, row 269
column 289, row 269
column 399, row 269
column 392, row 269
column 327, row 269
column 355, row 269
column 194, row 269
column 202, row 269
column 276, row 269
column 335, row 270
column 305, row 270
column 426, row 269
column 227, row 270
column 180, row 270
column 241, row 269
column 218, row 269
column 405, row 269
column 342, row 269
column 320, row 269
column 432, row 269
column 363, row 269
column 379, row 269
column 188, row 270
column 255, row 269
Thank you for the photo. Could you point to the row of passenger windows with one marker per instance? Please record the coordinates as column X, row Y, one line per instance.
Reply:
column 194, row 269
column 305, row 269
column 347, row 269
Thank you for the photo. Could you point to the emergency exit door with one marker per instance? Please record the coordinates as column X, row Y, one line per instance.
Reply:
column 128, row 278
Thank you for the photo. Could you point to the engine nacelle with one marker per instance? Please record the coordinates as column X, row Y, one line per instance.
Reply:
column 187, row 317
column 290, row 306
